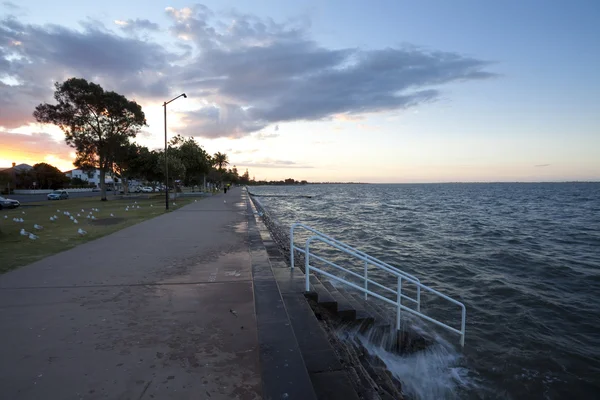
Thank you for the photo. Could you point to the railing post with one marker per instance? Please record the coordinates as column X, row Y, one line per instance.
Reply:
column 418, row 298
column 366, row 280
column 292, row 246
column 399, row 303
column 307, row 266
column 462, row 326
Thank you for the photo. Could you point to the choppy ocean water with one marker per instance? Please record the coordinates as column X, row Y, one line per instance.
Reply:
column 524, row 258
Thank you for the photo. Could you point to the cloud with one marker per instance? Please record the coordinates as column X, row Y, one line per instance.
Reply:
column 542, row 165
column 33, row 57
column 248, row 73
column 134, row 25
column 10, row 5
column 320, row 142
column 225, row 120
column 271, row 163
column 251, row 151
column 277, row 73
column 145, row 134
column 265, row 136
column 35, row 145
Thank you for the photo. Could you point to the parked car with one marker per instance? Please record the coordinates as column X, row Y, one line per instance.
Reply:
column 147, row 189
column 8, row 203
column 58, row 195
column 96, row 189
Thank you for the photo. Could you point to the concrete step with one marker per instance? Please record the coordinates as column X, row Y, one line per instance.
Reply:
column 345, row 310
column 284, row 370
column 362, row 313
column 380, row 318
column 321, row 295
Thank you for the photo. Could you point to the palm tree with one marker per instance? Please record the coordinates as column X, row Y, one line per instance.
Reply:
column 220, row 160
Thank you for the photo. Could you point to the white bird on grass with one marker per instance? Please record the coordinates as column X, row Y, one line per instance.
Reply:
column 32, row 236
column 38, row 227
column 71, row 218
column 93, row 217
column 81, row 232
column 111, row 214
column 6, row 216
column 52, row 219
column 24, row 232
column 23, row 212
column 174, row 204
column 82, row 210
column 75, row 221
column 78, row 215
column 151, row 205
column 57, row 210
column 224, row 201
column 88, row 217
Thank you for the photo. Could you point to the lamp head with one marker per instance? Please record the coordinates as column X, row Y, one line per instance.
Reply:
column 184, row 96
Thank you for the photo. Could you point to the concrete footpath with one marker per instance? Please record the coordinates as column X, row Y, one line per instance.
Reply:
column 160, row 310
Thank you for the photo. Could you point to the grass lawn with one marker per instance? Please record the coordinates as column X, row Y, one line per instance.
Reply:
column 17, row 250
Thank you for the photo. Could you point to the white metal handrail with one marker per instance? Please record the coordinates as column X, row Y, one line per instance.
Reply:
column 400, row 277
column 369, row 260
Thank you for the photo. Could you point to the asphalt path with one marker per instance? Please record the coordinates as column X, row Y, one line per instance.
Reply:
column 160, row 310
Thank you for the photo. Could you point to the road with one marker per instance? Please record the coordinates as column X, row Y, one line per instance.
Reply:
column 30, row 198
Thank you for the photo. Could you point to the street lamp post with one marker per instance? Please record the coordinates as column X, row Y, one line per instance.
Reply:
column 166, row 158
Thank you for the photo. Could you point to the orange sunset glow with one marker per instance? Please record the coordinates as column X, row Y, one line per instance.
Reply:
column 32, row 144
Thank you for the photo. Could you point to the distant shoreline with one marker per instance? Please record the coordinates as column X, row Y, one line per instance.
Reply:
column 424, row 183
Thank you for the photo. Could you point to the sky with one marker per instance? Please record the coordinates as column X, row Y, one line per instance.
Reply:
column 380, row 91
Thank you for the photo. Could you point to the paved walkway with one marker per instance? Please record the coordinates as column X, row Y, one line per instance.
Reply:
column 162, row 310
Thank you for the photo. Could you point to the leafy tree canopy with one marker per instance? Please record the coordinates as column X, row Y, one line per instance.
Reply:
column 95, row 122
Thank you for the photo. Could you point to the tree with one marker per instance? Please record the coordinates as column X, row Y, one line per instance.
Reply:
column 125, row 163
column 49, row 177
column 220, row 160
column 7, row 182
column 197, row 162
column 79, row 182
column 95, row 122
column 231, row 175
column 176, row 167
column 24, row 179
column 245, row 178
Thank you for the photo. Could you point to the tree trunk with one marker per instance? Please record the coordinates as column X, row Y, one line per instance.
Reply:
column 125, row 186
column 103, row 184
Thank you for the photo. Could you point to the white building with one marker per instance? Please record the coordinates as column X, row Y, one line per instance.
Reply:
column 92, row 177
